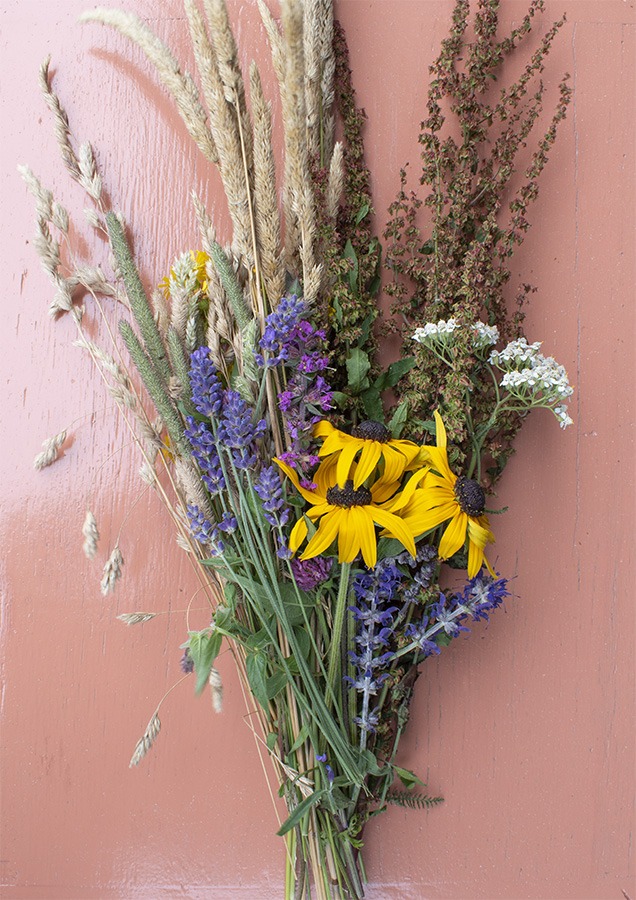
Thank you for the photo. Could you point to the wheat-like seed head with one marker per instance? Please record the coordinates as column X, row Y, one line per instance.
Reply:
column 91, row 535
column 146, row 741
column 50, row 451
column 135, row 618
column 112, row 571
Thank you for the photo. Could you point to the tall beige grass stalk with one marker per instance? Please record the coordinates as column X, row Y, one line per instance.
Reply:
column 181, row 86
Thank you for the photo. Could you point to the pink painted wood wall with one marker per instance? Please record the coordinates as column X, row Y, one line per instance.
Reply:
column 527, row 727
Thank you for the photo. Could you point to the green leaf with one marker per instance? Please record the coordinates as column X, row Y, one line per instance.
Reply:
column 362, row 212
column 258, row 640
column 399, row 368
column 409, row 779
column 350, row 254
column 358, row 365
column 303, row 807
column 271, row 740
column 339, row 398
column 389, row 547
column 275, row 684
column 204, row 649
column 372, row 402
column 368, row 763
column 399, row 419
column 303, row 734
column 256, row 669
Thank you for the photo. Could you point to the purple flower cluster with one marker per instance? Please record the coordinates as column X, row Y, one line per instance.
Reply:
column 205, row 385
column 280, row 326
column 423, row 567
column 270, row 489
column 374, row 618
column 205, row 451
column 309, row 573
column 209, row 533
column 480, row 596
column 237, row 432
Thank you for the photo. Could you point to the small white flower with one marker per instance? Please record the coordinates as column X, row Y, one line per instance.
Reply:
column 485, row 335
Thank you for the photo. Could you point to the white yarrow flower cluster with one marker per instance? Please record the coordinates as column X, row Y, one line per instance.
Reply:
column 519, row 351
column 534, row 379
column 438, row 336
column 434, row 331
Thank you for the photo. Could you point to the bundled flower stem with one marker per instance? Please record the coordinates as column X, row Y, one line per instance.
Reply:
column 320, row 520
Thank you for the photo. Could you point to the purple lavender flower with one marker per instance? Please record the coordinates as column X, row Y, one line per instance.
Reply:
column 270, row 489
column 207, row 390
column 201, row 528
column 205, row 452
column 237, row 432
column 309, row 573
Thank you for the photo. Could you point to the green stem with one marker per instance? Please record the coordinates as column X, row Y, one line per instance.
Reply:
column 334, row 669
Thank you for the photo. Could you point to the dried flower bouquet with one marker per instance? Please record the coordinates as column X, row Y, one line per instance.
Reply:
column 320, row 494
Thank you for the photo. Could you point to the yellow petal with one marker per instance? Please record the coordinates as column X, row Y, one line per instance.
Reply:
column 323, row 428
column 479, row 533
column 310, row 496
column 367, row 537
column 348, row 543
column 325, row 536
column 421, row 520
column 336, row 441
column 440, row 431
column 371, row 453
column 345, row 461
column 454, row 535
column 475, row 558
column 325, row 475
column 298, row 534
column 394, row 463
column 393, row 526
column 400, row 501
column 438, row 459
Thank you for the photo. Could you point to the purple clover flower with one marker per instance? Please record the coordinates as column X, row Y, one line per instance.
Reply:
column 309, row 573
column 236, row 431
column 205, row 385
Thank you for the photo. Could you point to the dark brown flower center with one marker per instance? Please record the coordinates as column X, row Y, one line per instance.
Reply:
column 470, row 496
column 347, row 497
column 372, row 431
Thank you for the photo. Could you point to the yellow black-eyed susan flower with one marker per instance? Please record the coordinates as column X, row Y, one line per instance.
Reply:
column 347, row 513
column 436, row 495
column 369, row 443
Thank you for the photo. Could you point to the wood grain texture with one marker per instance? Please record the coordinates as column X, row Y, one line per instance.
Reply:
column 527, row 727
